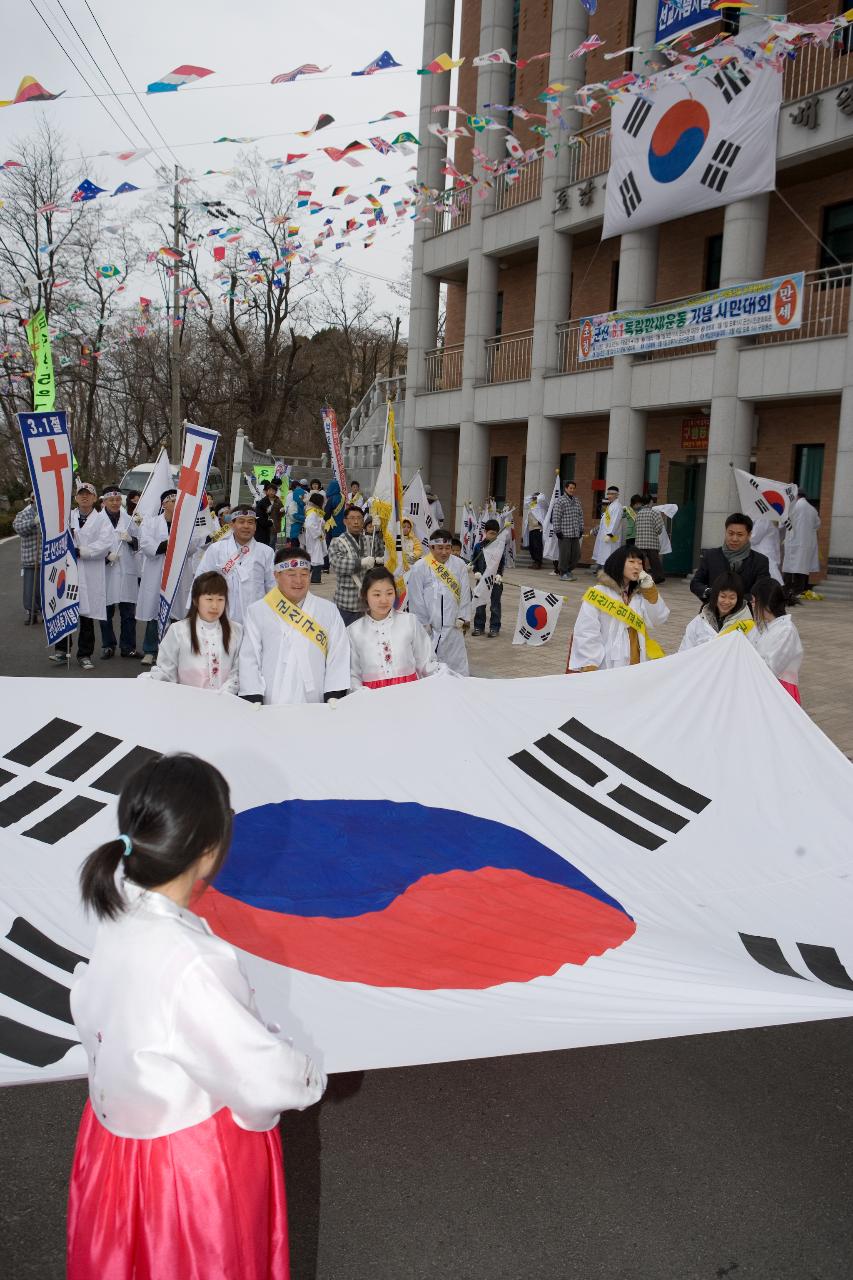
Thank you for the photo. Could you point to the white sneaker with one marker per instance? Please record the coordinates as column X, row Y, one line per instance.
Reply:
column 86, row 664
column 148, row 660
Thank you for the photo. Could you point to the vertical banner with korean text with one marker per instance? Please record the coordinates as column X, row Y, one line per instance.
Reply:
column 333, row 442
column 199, row 447
column 49, row 458
column 44, row 387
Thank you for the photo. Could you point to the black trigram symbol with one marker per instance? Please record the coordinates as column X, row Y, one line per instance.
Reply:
column 72, row 592
column 731, row 81
column 53, row 573
column 754, row 482
column 603, row 784
column 551, row 599
column 18, row 802
column 528, row 593
column 763, row 507
column 27, row 984
column 720, row 165
column 523, row 631
column 630, row 193
column 637, row 117
column 414, row 509
column 822, row 963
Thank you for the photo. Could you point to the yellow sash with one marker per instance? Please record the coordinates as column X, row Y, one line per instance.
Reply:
column 745, row 625
column 444, row 575
column 298, row 619
column 624, row 613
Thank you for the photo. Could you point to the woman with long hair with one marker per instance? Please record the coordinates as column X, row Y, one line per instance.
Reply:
column 725, row 611
column 616, row 616
column 777, row 639
column 387, row 646
column 202, row 648
column 177, row 1170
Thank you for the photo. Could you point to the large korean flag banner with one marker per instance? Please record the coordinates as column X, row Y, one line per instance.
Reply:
column 589, row 867
column 50, row 462
column 758, row 496
column 199, row 447
column 675, row 154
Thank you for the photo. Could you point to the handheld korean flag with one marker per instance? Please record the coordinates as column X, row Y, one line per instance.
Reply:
column 416, row 508
column 550, row 546
column 759, row 496
column 675, row 154
column 199, row 446
column 538, row 615
column 158, row 482
column 50, row 461
column 493, row 553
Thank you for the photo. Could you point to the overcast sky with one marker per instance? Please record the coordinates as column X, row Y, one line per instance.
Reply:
column 245, row 43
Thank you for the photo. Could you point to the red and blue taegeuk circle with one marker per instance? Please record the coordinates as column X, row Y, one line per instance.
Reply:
column 60, row 584
column 775, row 499
column 678, row 138
column 404, row 895
column 536, row 617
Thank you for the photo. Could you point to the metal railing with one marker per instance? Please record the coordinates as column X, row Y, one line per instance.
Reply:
column 455, row 212
column 589, row 157
column 519, row 185
column 816, row 68
column 444, row 368
column 508, row 356
column 393, row 388
column 568, row 360
column 826, row 307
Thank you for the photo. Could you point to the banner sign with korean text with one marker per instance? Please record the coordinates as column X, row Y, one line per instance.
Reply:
column 762, row 306
column 199, row 447
column 333, row 444
column 675, row 16
column 50, row 461
column 44, row 388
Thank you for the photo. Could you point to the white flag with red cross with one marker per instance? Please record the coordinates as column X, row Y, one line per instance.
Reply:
column 199, row 447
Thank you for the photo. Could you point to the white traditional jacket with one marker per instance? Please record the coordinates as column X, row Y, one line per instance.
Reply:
column 434, row 605
column 210, row 668
column 601, row 641
column 701, row 629
column 610, row 532
column 94, row 541
column 314, row 532
column 284, row 665
column 779, row 644
column 153, row 531
column 801, row 551
column 393, row 649
column 247, row 570
column 171, row 1030
column 122, row 582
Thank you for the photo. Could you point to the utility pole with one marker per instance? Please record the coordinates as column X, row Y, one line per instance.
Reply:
column 175, row 338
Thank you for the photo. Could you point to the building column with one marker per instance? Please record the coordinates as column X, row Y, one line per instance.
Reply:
column 731, row 431
column 841, row 526
column 472, row 478
column 553, row 265
column 638, row 270
column 423, row 314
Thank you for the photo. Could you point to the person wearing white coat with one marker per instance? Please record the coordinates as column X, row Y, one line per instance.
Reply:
column 387, row 646
column 153, row 540
column 121, row 578
column 609, row 534
column 314, row 534
column 92, row 535
column 202, row 649
column 726, row 611
column 615, row 618
column 440, row 599
column 766, row 541
column 801, row 558
column 777, row 639
column 245, row 563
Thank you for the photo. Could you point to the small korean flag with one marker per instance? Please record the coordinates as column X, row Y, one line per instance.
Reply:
column 538, row 614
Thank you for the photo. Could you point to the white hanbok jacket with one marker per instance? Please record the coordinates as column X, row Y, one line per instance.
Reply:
column 703, row 627
column 765, row 539
column 172, row 1032
column 779, row 644
column 250, row 576
column 286, row 667
column 211, row 668
column 153, row 531
column 314, row 533
column 393, row 649
column 610, row 532
column 94, row 541
column 434, row 605
column 122, row 582
column 801, row 552
column 603, row 642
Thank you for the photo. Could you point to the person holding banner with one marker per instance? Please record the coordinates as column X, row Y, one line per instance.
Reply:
column 491, row 529
column 295, row 646
column 92, row 535
column 725, row 612
column 387, row 645
column 440, row 599
column 153, row 543
column 615, row 618
column 244, row 563
column 122, row 584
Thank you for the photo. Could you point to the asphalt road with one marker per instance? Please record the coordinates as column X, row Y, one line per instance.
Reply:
column 690, row 1159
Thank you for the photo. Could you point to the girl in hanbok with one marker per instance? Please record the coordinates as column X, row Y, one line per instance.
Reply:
column 386, row 645
column 202, row 648
column 616, row 616
column 725, row 611
column 777, row 639
column 177, row 1170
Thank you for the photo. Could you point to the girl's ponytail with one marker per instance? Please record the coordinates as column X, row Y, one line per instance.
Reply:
column 98, row 887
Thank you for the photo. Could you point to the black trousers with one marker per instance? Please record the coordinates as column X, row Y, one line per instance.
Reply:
column 534, row 546
column 798, row 582
column 570, row 554
column 85, row 640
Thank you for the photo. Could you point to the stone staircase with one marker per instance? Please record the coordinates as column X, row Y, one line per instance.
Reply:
column 363, row 435
column 838, row 583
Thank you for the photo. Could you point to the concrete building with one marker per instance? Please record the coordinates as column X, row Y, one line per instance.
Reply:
column 502, row 403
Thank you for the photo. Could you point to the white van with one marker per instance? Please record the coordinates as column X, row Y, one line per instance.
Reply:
column 137, row 478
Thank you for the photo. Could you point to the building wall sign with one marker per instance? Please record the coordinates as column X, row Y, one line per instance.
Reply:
column 762, row 306
column 694, row 433
column 682, row 15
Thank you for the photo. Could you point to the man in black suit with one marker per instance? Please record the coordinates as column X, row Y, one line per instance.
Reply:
column 734, row 556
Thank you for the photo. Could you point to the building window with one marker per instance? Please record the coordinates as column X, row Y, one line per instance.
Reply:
column 567, row 468
column 499, row 314
column 614, row 283
column 651, row 472
column 808, row 470
column 513, row 49
column 713, row 261
column 837, row 234
column 500, row 467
